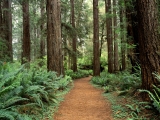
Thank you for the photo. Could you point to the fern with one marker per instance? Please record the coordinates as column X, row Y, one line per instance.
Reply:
column 25, row 92
column 154, row 97
column 14, row 100
column 7, row 115
column 23, row 117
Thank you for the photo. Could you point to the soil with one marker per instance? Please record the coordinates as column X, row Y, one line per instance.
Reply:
column 84, row 102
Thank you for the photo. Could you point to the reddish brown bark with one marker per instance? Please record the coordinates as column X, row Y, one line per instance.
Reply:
column 116, row 55
column 122, row 35
column 74, row 38
column 109, row 37
column 149, row 42
column 96, row 51
column 42, row 26
column 26, row 33
column 7, row 29
column 132, row 34
column 54, row 40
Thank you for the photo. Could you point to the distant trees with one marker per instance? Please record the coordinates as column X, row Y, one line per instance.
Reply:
column 136, row 33
column 132, row 34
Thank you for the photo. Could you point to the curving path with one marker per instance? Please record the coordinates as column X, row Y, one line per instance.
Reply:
column 84, row 102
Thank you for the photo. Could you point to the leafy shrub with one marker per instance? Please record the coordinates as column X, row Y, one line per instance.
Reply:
column 78, row 74
column 25, row 93
column 120, row 81
column 101, row 81
column 129, row 80
column 155, row 95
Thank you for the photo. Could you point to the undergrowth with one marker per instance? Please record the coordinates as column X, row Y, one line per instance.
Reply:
column 122, row 90
column 79, row 74
column 26, row 93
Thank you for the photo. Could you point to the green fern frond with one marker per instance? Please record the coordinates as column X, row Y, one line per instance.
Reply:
column 28, row 105
column 157, row 76
column 33, row 89
column 7, row 115
column 23, row 117
column 37, row 99
column 14, row 100
column 156, row 102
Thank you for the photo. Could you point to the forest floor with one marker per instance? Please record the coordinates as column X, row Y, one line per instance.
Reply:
column 84, row 102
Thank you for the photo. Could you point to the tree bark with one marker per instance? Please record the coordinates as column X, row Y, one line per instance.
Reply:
column 122, row 34
column 42, row 26
column 26, row 33
column 74, row 39
column 109, row 37
column 0, row 16
column 7, row 29
column 54, row 40
column 149, row 42
column 116, row 55
column 132, row 34
column 96, row 51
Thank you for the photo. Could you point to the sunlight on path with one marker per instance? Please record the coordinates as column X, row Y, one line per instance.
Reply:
column 84, row 102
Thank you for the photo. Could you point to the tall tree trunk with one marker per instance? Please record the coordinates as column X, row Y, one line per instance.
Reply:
column 35, row 35
column 74, row 39
column 42, row 26
column 7, row 28
column 122, row 34
column 0, row 16
column 1, row 33
column 96, row 59
column 132, row 34
column 102, row 38
column 54, row 40
column 149, row 42
column 109, row 37
column 26, row 33
column 116, row 55
column 1, row 25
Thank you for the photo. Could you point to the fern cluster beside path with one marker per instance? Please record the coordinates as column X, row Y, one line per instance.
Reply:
column 84, row 102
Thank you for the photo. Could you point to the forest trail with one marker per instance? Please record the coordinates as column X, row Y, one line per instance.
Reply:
column 84, row 102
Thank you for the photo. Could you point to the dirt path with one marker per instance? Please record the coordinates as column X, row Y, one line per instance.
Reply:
column 84, row 102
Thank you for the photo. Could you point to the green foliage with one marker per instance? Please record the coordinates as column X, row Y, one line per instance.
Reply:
column 155, row 94
column 155, row 97
column 129, row 80
column 78, row 74
column 26, row 93
column 136, row 110
column 120, row 81
column 101, row 81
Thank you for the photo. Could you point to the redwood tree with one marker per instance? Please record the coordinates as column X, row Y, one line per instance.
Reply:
column 148, row 41
column 132, row 33
column 26, row 33
column 116, row 55
column 74, row 38
column 122, row 33
column 42, row 27
column 6, row 25
column 96, row 59
column 54, row 40
column 109, row 37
